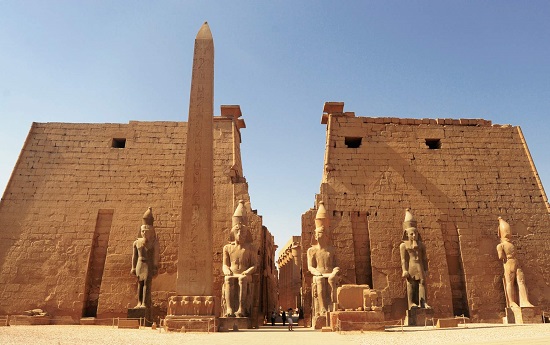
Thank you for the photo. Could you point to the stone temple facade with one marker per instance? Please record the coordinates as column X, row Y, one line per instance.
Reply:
column 458, row 177
column 74, row 204
column 290, row 274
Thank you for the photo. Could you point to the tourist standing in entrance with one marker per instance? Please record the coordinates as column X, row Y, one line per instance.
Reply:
column 283, row 316
column 290, row 321
column 273, row 315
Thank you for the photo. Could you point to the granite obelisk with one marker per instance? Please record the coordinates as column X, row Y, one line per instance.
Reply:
column 195, row 272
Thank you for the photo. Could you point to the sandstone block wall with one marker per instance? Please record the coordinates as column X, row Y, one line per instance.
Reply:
column 458, row 176
column 73, row 207
column 289, row 263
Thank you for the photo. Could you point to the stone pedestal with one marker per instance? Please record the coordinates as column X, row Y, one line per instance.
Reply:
column 141, row 313
column 192, row 314
column 519, row 315
column 16, row 320
column 195, row 323
column 418, row 316
column 447, row 323
column 320, row 321
column 88, row 321
column 234, row 323
column 357, row 321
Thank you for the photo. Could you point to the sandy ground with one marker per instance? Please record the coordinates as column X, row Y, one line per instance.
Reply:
column 489, row 334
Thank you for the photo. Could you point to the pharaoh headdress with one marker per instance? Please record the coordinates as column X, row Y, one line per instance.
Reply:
column 409, row 222
column 504, row 229
column 321, row 221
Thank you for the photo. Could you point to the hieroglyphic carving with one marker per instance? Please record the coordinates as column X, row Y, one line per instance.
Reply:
column 195, row 271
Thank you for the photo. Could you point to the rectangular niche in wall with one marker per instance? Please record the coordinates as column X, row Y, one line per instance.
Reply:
column 96, row 263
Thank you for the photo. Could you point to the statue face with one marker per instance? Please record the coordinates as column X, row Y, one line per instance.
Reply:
column 146, row 232
column 412, row 234
column 320, row 233
column 240, row 232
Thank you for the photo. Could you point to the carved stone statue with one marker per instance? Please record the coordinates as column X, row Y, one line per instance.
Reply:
column 321, row 263
column 512, row 270
column 413, row 263
column 239, row 263
column 145, row 259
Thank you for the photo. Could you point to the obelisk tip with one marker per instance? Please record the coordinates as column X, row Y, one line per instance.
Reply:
column 204, row 32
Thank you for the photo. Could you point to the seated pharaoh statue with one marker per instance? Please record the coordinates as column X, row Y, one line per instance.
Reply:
column 145, row 259
column 512, row 270
column 239, row 263
column 321, row 262
column 413, row 263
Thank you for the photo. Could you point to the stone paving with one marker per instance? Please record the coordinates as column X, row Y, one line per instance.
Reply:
column 488, row 334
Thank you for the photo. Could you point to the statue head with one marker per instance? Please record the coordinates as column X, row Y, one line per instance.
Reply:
column 321, row 233
column 148, row 218
column 147, row 229
column 410, row 232
column 239, row 230
column 410, row 221
column 147, row 232
column 240, row 234
column 504, row 231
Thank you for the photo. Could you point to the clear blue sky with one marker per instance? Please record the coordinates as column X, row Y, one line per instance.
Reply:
column 116, row 61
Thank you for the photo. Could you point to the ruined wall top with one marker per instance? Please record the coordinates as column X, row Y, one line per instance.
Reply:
column 337, row 109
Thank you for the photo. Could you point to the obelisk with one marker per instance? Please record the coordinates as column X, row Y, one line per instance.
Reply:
column 195, row 275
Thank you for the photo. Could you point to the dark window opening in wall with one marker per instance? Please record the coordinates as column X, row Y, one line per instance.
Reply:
column 119, row 143
column 353, row 142
column 433, row 144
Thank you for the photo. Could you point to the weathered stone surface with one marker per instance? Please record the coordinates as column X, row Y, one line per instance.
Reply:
column 357, row 321
column 226, row 324
column 514, row 280
column 192, row 305
column 289, row 263
column 321, row 263
column 71, row 206
column 131, row 323
column 145, row 259
column 195, row 275
column 419, row 317
column 239, row 265
column 190, row 324
column 413, row 263
column 446, row 323
column 458, row 175
column 352, row 297
column 140, row 313
column 30, row 320
column 522, row 315
column 319, row 321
